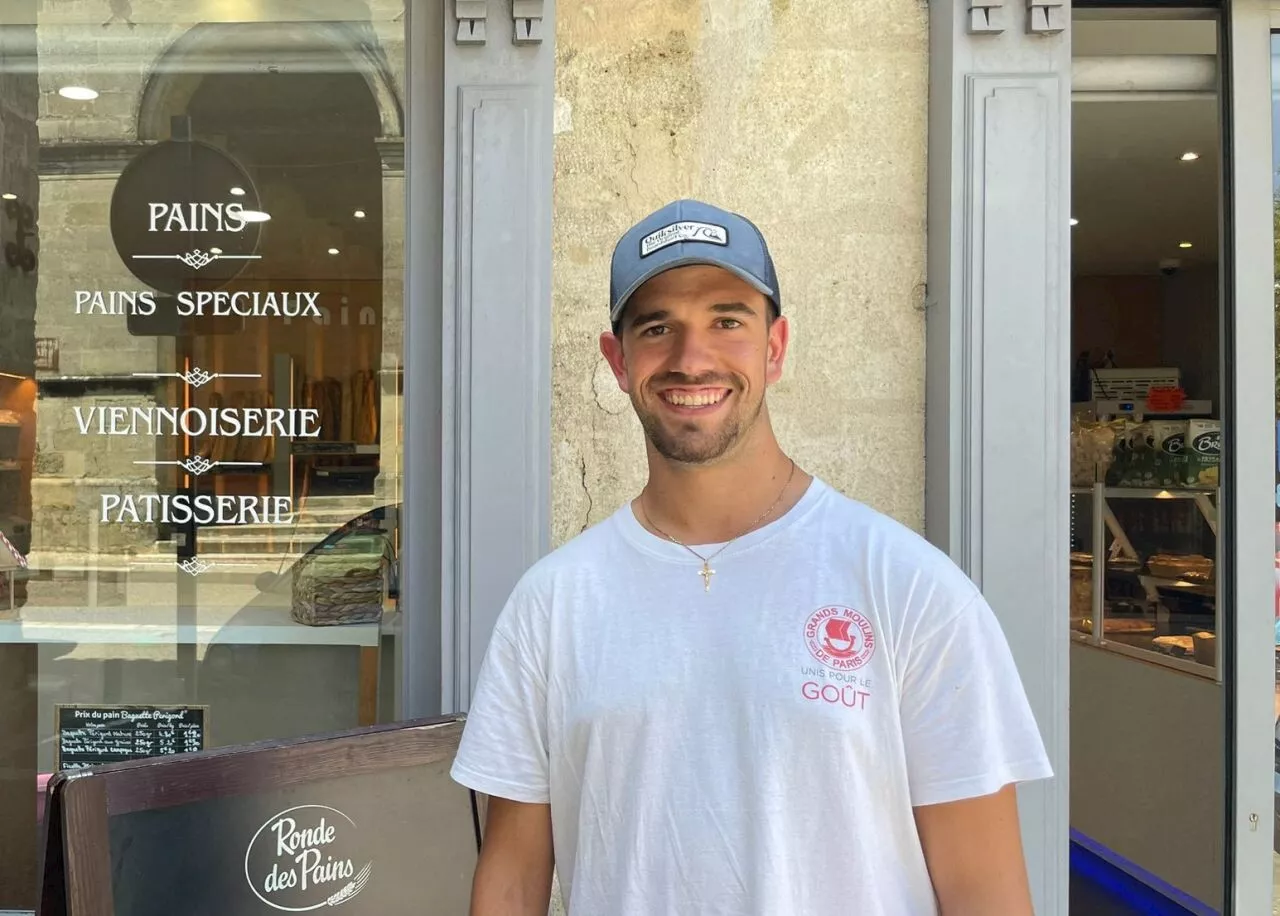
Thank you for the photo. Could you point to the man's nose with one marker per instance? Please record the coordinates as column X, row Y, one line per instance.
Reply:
column 692, row 354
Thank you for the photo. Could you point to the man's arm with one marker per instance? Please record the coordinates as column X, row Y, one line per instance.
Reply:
column 513, row 875
column 974, row 852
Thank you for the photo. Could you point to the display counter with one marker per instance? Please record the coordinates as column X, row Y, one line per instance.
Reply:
column 1145, row 586
column 1147, row 706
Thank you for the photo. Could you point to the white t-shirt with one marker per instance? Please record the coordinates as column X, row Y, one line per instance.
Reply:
column 754, row 750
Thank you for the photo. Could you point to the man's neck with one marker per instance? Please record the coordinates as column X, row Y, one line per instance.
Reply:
column 710, row 504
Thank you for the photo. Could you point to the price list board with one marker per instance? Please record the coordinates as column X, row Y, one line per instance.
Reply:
column 95, row 735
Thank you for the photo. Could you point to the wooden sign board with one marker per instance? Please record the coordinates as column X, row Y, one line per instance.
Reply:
column 358, row 823
column 88, row 735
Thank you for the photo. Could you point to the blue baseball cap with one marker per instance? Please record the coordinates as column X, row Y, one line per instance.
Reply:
column 690, row 232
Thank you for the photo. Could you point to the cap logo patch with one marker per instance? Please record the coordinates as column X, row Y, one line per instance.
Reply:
column 683, row 232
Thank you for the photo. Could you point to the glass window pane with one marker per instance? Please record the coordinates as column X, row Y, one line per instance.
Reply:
column 1275, row 172
column 1146, row 316
column 1148, row 723
column 200, row 381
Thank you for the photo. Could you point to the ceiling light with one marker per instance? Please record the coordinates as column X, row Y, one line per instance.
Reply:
column 238, row 191
column 1074, row 221
column 333, row 251
column 1184, row 244
column 8, row 196
column 254, row 216
column 215, row 251
column 359, row 214
column 78, row 93
column 1190, row 156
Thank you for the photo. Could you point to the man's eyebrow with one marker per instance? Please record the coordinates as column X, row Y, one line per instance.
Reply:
column 649, row 317
column 723, row 308
column 738, row 308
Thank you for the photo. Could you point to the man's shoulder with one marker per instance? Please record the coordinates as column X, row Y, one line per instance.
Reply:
column 892, row 546
column 847, row 515
column 556, row 580
column 583, row 553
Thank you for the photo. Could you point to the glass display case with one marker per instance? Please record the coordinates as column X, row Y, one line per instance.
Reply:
column 1144, row 538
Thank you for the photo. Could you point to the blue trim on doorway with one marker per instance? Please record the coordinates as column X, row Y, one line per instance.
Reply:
column 1129, row 883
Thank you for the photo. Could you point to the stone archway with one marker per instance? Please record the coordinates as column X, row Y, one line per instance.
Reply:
column 267, row 47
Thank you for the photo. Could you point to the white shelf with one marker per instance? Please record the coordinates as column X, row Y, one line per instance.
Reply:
column 263, row 626
column 1138, row 493
column 1134, row 407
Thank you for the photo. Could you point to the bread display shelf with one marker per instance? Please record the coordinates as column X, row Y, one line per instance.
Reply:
column 1162, row 578
column 1138, row 493
column 163, row 626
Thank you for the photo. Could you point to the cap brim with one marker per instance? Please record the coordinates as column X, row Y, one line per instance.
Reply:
column 648, row 275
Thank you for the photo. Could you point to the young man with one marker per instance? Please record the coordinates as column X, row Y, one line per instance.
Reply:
column 743, row 694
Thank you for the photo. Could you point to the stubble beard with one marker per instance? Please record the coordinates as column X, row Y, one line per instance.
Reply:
column 687, row 442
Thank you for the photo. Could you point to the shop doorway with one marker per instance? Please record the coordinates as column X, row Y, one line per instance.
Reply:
column 1151, row 600
column 200, row 506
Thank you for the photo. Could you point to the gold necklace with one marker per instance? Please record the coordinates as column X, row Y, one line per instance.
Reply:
column 707, row 572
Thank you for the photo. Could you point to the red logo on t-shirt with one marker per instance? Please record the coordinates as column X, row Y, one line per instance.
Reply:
column 840, row 638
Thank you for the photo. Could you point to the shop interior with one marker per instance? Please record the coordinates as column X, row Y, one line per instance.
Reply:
column 1148, row 729
column 324, row 236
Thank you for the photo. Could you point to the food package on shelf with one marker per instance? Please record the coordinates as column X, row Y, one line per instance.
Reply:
column 1204, row 453
column 1131, row 446
column 343, row 585
column 1169, row 452
column 1093, row 448
column 1151, row 455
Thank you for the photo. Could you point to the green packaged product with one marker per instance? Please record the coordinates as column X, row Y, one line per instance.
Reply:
column 1169, row 445
column 1204, row 453
column 1153, row 455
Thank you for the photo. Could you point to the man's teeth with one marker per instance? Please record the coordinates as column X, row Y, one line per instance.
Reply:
column 695, row 400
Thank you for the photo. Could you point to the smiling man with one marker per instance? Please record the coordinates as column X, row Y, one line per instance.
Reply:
column 742, row 694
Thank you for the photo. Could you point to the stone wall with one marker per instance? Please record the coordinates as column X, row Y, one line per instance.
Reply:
column 809, row 116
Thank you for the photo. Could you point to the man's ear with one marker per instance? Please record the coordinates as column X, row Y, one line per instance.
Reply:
column 779, row 338
column 611, row 349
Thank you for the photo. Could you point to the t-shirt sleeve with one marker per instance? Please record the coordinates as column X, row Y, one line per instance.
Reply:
column 503, row 751
column 967, row 724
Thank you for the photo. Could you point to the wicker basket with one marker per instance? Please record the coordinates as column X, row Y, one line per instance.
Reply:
column 342, row 585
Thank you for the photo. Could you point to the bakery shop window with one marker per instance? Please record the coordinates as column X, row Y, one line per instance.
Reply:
column 1146, row 429
column 201, row 314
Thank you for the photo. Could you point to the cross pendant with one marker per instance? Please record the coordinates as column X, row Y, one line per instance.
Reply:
column 706, row 572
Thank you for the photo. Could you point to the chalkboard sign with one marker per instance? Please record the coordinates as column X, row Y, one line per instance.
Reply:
column 365, row 822
column 90, row 735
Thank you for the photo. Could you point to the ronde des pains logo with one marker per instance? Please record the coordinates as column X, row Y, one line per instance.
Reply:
column 306, row 858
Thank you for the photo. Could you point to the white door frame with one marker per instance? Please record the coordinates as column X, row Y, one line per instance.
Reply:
column 999, row 359
column 1249, row 473
column 477, row 503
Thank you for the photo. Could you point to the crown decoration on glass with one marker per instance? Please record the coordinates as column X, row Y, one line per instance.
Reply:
column 196, row 258
column 195, row 376
column 194, row 566
column 197, row 465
